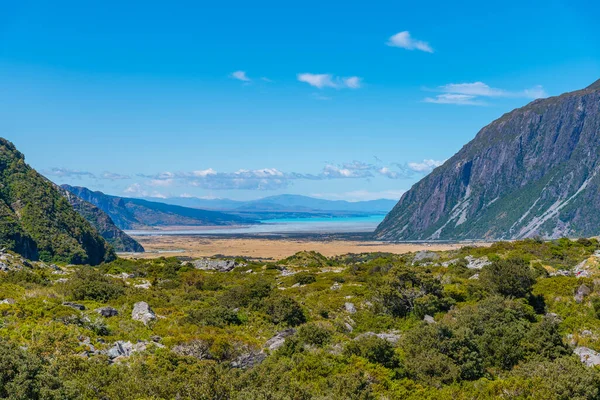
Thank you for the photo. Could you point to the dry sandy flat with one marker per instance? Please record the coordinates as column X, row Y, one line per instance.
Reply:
column 195, row 246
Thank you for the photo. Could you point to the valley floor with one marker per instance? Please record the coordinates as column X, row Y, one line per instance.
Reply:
column 271, row 248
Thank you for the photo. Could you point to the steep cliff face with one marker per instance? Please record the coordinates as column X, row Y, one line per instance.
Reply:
column 532, row 172
column 105, row 226
column 37, row 222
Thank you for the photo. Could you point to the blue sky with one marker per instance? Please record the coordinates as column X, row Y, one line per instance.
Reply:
column 353, row 100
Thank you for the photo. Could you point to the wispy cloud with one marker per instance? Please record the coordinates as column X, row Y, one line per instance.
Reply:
column 472, row 94
column 405, row 41
column 240, row 76
column 67, row 173
column 137, row 190
column 113, row 176
column 425, row 166
column 452, row 98
column 322, row 81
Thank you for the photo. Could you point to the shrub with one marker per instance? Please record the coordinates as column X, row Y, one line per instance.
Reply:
column 249, row 295
column 284, row 310
column 374, row 349
column 214, row 316
column 305, row 278
column 314, row 334
column 511, row 277
column 90, row 284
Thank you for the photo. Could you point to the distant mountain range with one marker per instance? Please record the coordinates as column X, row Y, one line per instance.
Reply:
column 129, row 213
column 533, row 172
column 288, row 204
column 38, row 222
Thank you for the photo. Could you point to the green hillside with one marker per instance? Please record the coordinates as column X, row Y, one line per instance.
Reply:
column 37, row 222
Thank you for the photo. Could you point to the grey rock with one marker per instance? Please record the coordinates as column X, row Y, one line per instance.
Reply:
column 76, row 306
column 350, row 308
column 474, row 277
column 336, row 286
column 425, row 255
column 278, row 340
column 107, row 312
column 582, row 291
column 249, row 360
column 477, row 263
column 8, row 301
column 145, row 285
column 214, row 265
column 587, row 356
column 391, row 337
column 142, row 312
column 429, row 319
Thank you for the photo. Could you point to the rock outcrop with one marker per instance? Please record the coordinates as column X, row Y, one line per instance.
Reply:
column 142, row 312
column 533, row 172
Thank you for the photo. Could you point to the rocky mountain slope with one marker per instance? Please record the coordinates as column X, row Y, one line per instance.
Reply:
column 36, row 221
column 532, row 172
column 105, row 226
column 130, row 213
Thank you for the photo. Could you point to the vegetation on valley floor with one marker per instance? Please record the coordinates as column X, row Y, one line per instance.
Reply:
column 360, row 326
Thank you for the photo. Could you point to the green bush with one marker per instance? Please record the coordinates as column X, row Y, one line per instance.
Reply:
column 374, row 349
column 283, row 310
column 315, row 334
column 511, row 277
column 214, row 316
column 90, row 284
column 304, row 278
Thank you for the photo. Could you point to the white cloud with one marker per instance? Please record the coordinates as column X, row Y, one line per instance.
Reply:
column 470, row 94
column 385, row 171
column 241, row 76
column 68, row 173
column 204, row 173
column 114, row 176
column 426, row 165
column 405, row 41
column 322, row 81
column 473, row 89
column 451, row 98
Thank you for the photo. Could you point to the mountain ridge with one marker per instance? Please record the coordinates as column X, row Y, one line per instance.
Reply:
column 37, row 222
column 532, row 172
column 130, row 213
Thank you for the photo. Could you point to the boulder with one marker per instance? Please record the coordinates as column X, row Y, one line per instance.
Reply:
column 76, row 306
column 8, row 301
column 425, row 255
column 429, row 319
column 278, row 340
column 391, row 337
column 107, row 312
column 142, row 312
column 214, row 265
column 350, row 308
column 587, row 356
column 477, row 263
column 249, row 360
column 582, row 291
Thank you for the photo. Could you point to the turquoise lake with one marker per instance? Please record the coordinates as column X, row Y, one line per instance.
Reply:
column 284, row 225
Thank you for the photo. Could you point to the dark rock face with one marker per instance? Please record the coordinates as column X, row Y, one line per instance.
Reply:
column 533, row 172
column 105, row 226
column 37, row 222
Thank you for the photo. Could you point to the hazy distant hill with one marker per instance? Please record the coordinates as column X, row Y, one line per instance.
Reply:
column 130, row 213
column 105, row 226
column 38, row 222
column 287, row 203
column 532, row 172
